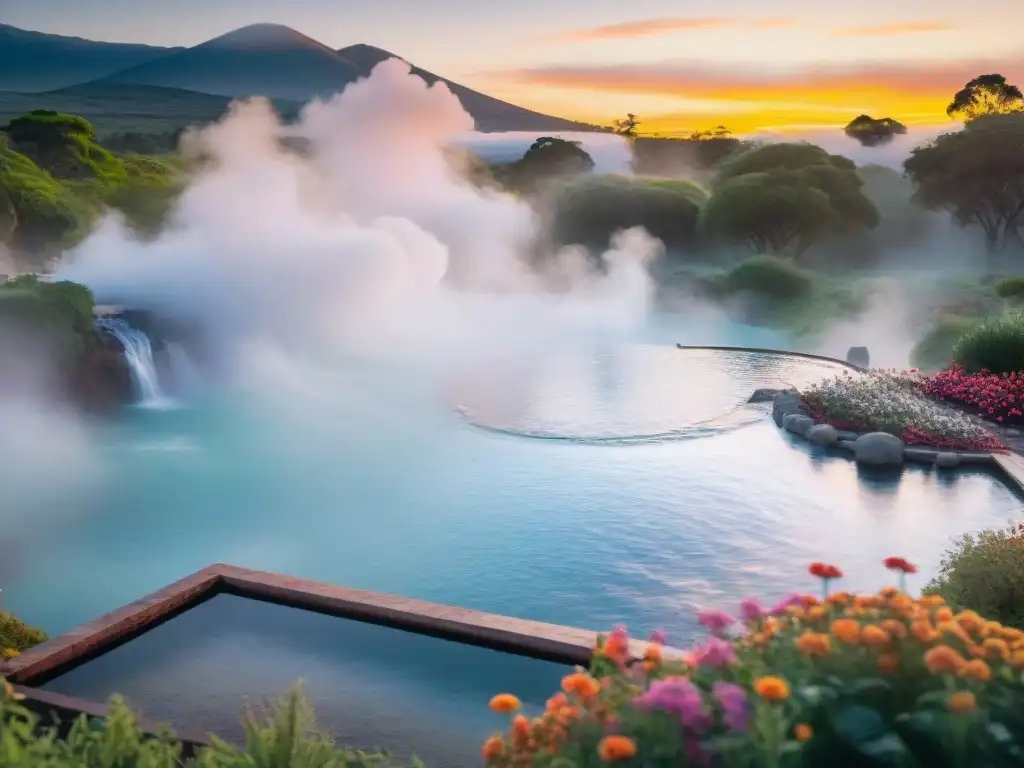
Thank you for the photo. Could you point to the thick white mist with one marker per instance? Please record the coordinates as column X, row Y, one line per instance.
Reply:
column 366, row 241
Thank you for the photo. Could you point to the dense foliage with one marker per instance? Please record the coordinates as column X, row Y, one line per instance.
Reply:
column 888, row 401
column 16, row 636
column 56, row 315
column 985, row 571
column 871, row 132
column 996, row 345
column 769, row 277
column 840, row 679
column 288, row 738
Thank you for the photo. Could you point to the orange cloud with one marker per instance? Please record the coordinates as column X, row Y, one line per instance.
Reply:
column 890, row 30
column 645, row 28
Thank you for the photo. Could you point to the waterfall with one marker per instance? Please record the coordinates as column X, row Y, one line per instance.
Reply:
column 138, row 352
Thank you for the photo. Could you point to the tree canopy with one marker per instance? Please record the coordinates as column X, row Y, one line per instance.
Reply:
column 547, row 158
column 986, row 95
column 781, row 199
column 873, row 133
column 627, row 126
column 977, row 174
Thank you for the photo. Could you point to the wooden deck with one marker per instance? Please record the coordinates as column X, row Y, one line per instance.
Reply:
column 1012, row 465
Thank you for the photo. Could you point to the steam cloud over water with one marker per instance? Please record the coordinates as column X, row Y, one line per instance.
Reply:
column 368, row 240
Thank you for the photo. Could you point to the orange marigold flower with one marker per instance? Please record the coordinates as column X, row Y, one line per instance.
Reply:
column 505, row 703
column 582, row 684
column 992, row 629
column 567, row 714
column 772, row 688
column 899, row 564
column 795, row 611
column 954, row 629
column 616, row 645
column 970, row 621
column 932, row 601
column 924, row 631
column 652, row 653
column 960, row 702
column 874, row 636
column 894, row 627
column 817, row 612
column 942, row 660
column 492, row 748
column 975, row 669
column 995, row 649
column 813, row 644
column 1017, row 659
column 902, row 604
column 888, row 663
column 887, row 593
column 802, row 732
column 614, row 748
column 1012, row 635
column 839, row 599
column 555, row 703
column 847, row 630
column 809, row 600
column 520, row 729
column 943, row 614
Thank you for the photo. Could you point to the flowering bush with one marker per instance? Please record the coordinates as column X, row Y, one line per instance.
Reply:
column 890, row 401
column 843, row 680
column 997, row 397
column 16, row 636
column 986, row 571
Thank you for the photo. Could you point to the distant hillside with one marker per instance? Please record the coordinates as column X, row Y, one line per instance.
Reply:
column 34, row 61
column 262, row 59
column 490, row 114
column 118, row 108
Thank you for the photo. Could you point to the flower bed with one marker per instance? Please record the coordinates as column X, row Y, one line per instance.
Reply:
column 833, row 680
column 894, row 402
column 996, row 397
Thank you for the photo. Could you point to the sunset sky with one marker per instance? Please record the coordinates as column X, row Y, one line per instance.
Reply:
column 747, row 64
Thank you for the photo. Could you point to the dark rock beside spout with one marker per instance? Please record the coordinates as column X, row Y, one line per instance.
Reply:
column 100, row 380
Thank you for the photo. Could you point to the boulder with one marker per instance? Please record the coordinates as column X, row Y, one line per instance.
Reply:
column 764, row 395
column 922, row 455
column 844, row 435
column 786, row 403
column 947, row 460
column 822, row 434
column 878, row 449
column 858, row 356
column 797, row 423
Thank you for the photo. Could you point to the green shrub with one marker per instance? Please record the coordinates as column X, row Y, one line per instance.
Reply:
column 57, row 314
column 995, row 345
column 590, row 211
column 770, row 277
column 1011, row 287
column 934, row 351
column 985, row 572
column 287, row 739
column 17, row 636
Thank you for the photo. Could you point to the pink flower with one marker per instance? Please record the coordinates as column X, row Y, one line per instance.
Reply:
column 716, row 652
column 780, row 607
column 751, row 610
column 716, row 621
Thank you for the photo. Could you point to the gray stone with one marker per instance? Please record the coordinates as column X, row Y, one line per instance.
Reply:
column 764, row 395
column 947, row 460
column 878, row 449
column 786, row 403
column 923, row 455
column 1011, row 432
column 858, row 356
column 797, row 423
column 822, row 434
column 842, row 434
column 849, row 445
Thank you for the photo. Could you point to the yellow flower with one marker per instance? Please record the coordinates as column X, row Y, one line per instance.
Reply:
column 874, row 636
column 847, row 630
column 802, row 732
column 9, row 653
column 960, row 702
column 615, row 748
column 772, row 688
column 975, row 669
column 813, row 644
column 942, row 660
column 505, row 703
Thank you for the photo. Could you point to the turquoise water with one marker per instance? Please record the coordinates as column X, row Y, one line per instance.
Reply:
column 381, row 484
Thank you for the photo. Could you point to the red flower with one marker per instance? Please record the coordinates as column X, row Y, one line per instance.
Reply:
column 899, row 564
column 824, row 571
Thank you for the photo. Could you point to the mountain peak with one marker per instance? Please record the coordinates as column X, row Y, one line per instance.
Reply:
column 263, row 37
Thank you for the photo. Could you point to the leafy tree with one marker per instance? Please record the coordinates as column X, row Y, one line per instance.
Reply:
column 718, row 132
column 547, row 158
column 627, row 126
column 783, row 198
column 871, row 132
column 977, row 174
column 986, row 95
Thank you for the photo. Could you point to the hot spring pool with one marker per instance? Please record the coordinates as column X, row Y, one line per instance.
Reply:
column 645, row 490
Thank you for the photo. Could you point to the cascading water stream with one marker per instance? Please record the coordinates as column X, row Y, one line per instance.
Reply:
column 138, row 353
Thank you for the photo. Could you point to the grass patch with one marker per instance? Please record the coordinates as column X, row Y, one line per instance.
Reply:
column 995, row 345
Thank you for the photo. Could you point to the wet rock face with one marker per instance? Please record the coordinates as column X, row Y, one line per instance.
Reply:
column 100, row 381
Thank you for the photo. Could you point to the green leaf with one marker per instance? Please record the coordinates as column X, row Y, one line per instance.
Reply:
column 857, row 725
